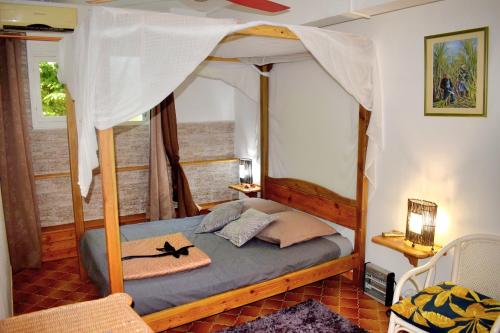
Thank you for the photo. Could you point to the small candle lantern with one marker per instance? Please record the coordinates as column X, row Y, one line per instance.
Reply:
column 421, row 222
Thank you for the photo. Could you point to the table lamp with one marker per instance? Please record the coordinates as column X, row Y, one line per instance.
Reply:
column 246, row 171
column 421, row 222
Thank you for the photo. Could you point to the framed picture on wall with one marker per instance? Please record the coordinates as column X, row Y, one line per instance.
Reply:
column 456, row 70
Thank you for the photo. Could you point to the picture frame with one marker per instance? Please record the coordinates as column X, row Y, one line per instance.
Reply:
column 456, row 73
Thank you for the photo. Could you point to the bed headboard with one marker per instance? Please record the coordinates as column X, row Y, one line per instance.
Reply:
column 313, row 199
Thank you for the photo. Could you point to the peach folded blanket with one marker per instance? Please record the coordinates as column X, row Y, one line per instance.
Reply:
column 141, row 268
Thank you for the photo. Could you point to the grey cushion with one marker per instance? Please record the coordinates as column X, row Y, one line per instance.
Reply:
column 250, row 223
column 219, row 217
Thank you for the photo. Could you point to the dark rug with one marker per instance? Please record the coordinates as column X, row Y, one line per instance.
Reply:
column 307, row 317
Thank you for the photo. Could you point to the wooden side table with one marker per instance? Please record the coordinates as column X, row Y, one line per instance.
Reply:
column 413, row 254
column 251, row 190
column 205, row 208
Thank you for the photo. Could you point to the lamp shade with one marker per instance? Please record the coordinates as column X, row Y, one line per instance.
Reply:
column 246, row 171
column 421, row 222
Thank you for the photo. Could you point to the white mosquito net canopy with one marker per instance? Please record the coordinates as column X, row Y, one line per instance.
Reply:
column 120, row 63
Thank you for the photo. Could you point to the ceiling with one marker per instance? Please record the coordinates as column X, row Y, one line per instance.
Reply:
column 311, row 12
column 193, row 7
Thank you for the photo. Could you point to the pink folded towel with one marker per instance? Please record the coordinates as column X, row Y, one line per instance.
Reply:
column 141, row 268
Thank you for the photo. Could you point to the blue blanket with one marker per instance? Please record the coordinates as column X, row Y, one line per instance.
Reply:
column 231, row 267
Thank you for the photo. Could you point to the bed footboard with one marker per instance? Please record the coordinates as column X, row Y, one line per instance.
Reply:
column 209, row 306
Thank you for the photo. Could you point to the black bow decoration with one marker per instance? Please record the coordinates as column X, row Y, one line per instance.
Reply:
column 167, row 250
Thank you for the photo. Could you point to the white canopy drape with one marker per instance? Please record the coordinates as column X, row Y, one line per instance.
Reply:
column 119, row 63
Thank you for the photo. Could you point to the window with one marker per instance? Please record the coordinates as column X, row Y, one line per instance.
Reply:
column 138, row 119
column 52, row 91
column 48, row 98
column 47, row 94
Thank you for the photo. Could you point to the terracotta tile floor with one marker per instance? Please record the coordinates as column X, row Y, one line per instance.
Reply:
column 58, row 283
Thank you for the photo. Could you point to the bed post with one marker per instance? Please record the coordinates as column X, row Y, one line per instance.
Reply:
column 361, row 196
column 73, row 169
column 264, row 127
column 110, row 204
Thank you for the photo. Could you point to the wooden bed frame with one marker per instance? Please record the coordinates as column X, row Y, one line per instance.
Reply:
column 295, row 193
column 307, row 197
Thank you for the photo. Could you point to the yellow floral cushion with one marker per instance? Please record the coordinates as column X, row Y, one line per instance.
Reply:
column 449, row 308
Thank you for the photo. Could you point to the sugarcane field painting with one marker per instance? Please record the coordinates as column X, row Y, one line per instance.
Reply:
column 456, row 72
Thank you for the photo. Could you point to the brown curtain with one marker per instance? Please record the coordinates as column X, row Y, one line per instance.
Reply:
column 16, row 174
column 161, row 206
column 165, row 114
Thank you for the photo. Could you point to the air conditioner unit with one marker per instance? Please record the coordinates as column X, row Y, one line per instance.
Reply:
column 37, row 18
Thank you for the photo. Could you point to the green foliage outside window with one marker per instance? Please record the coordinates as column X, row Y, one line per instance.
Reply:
column 52, row 91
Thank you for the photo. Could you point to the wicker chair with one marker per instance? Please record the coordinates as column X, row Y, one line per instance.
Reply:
column 109, row 314
column 476, row 264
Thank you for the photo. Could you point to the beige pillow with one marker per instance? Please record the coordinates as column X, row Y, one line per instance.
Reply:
column 293, row 227
column 263, row 205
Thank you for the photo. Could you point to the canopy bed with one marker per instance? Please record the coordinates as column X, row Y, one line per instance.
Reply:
column 119, row 63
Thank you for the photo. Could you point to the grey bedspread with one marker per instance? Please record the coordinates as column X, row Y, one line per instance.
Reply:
column 231, row 267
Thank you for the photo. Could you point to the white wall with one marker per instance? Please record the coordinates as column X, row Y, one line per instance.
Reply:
column 313, row 127
column 5, row 271
column 247, row 131
column 202, row 100
column 450, row 160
